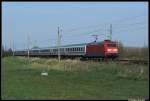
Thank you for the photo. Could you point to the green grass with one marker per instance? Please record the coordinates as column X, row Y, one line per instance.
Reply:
column 71, row 79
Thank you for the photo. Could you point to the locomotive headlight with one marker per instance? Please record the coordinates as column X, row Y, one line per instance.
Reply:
column 115, row 50
column 108, row 50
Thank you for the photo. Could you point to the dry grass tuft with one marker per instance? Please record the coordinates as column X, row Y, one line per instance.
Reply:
column 134, row 72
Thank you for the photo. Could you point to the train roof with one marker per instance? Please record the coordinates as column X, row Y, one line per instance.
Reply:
column 77, row 45
column 72, row 45
column 64, row 46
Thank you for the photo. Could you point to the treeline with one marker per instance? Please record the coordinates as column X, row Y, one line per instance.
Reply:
column 133, row 52
column 6, row 52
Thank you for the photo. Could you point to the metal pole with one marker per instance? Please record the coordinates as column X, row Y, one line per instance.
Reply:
column 28, row 46
column 58, row 45
column 13, row 48
column 110, row 31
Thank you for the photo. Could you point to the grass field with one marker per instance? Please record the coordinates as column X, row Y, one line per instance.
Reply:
column 72, row 79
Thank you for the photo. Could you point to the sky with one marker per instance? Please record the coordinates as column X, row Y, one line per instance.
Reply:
column 37, row 23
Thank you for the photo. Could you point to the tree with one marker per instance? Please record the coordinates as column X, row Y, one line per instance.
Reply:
column 2, row 51
column 10, row 52
column 145, row 52
column 5, row 53
column 121, row 49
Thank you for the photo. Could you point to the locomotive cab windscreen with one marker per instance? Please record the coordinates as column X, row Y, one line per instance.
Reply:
column 111, row 47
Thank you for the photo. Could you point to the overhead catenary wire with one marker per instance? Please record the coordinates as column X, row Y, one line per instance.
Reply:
column 85, row 27
column 86, row 33
column 117, row 23
column 91, row 32
column 128, row 29
column 106, row 23
column 127, row 24
column 137, row 23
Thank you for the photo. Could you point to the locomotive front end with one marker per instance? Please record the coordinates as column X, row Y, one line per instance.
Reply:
column 111, row 50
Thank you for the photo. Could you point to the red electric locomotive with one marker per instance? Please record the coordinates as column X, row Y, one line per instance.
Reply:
column 104, row 49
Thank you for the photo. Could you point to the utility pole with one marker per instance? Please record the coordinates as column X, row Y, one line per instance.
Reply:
column 28, row 42
column 110, row 31
column 10, row 44
column 58, row 44
column 13, row 48
column 118, row 42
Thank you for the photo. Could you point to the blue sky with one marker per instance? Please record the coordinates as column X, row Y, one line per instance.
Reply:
column 78, row 21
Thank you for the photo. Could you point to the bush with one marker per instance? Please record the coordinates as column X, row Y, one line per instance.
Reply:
column 6, row 53
column 133, row 52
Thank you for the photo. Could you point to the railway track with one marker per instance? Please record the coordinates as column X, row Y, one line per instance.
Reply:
column 129, row 61
column 134, row 61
